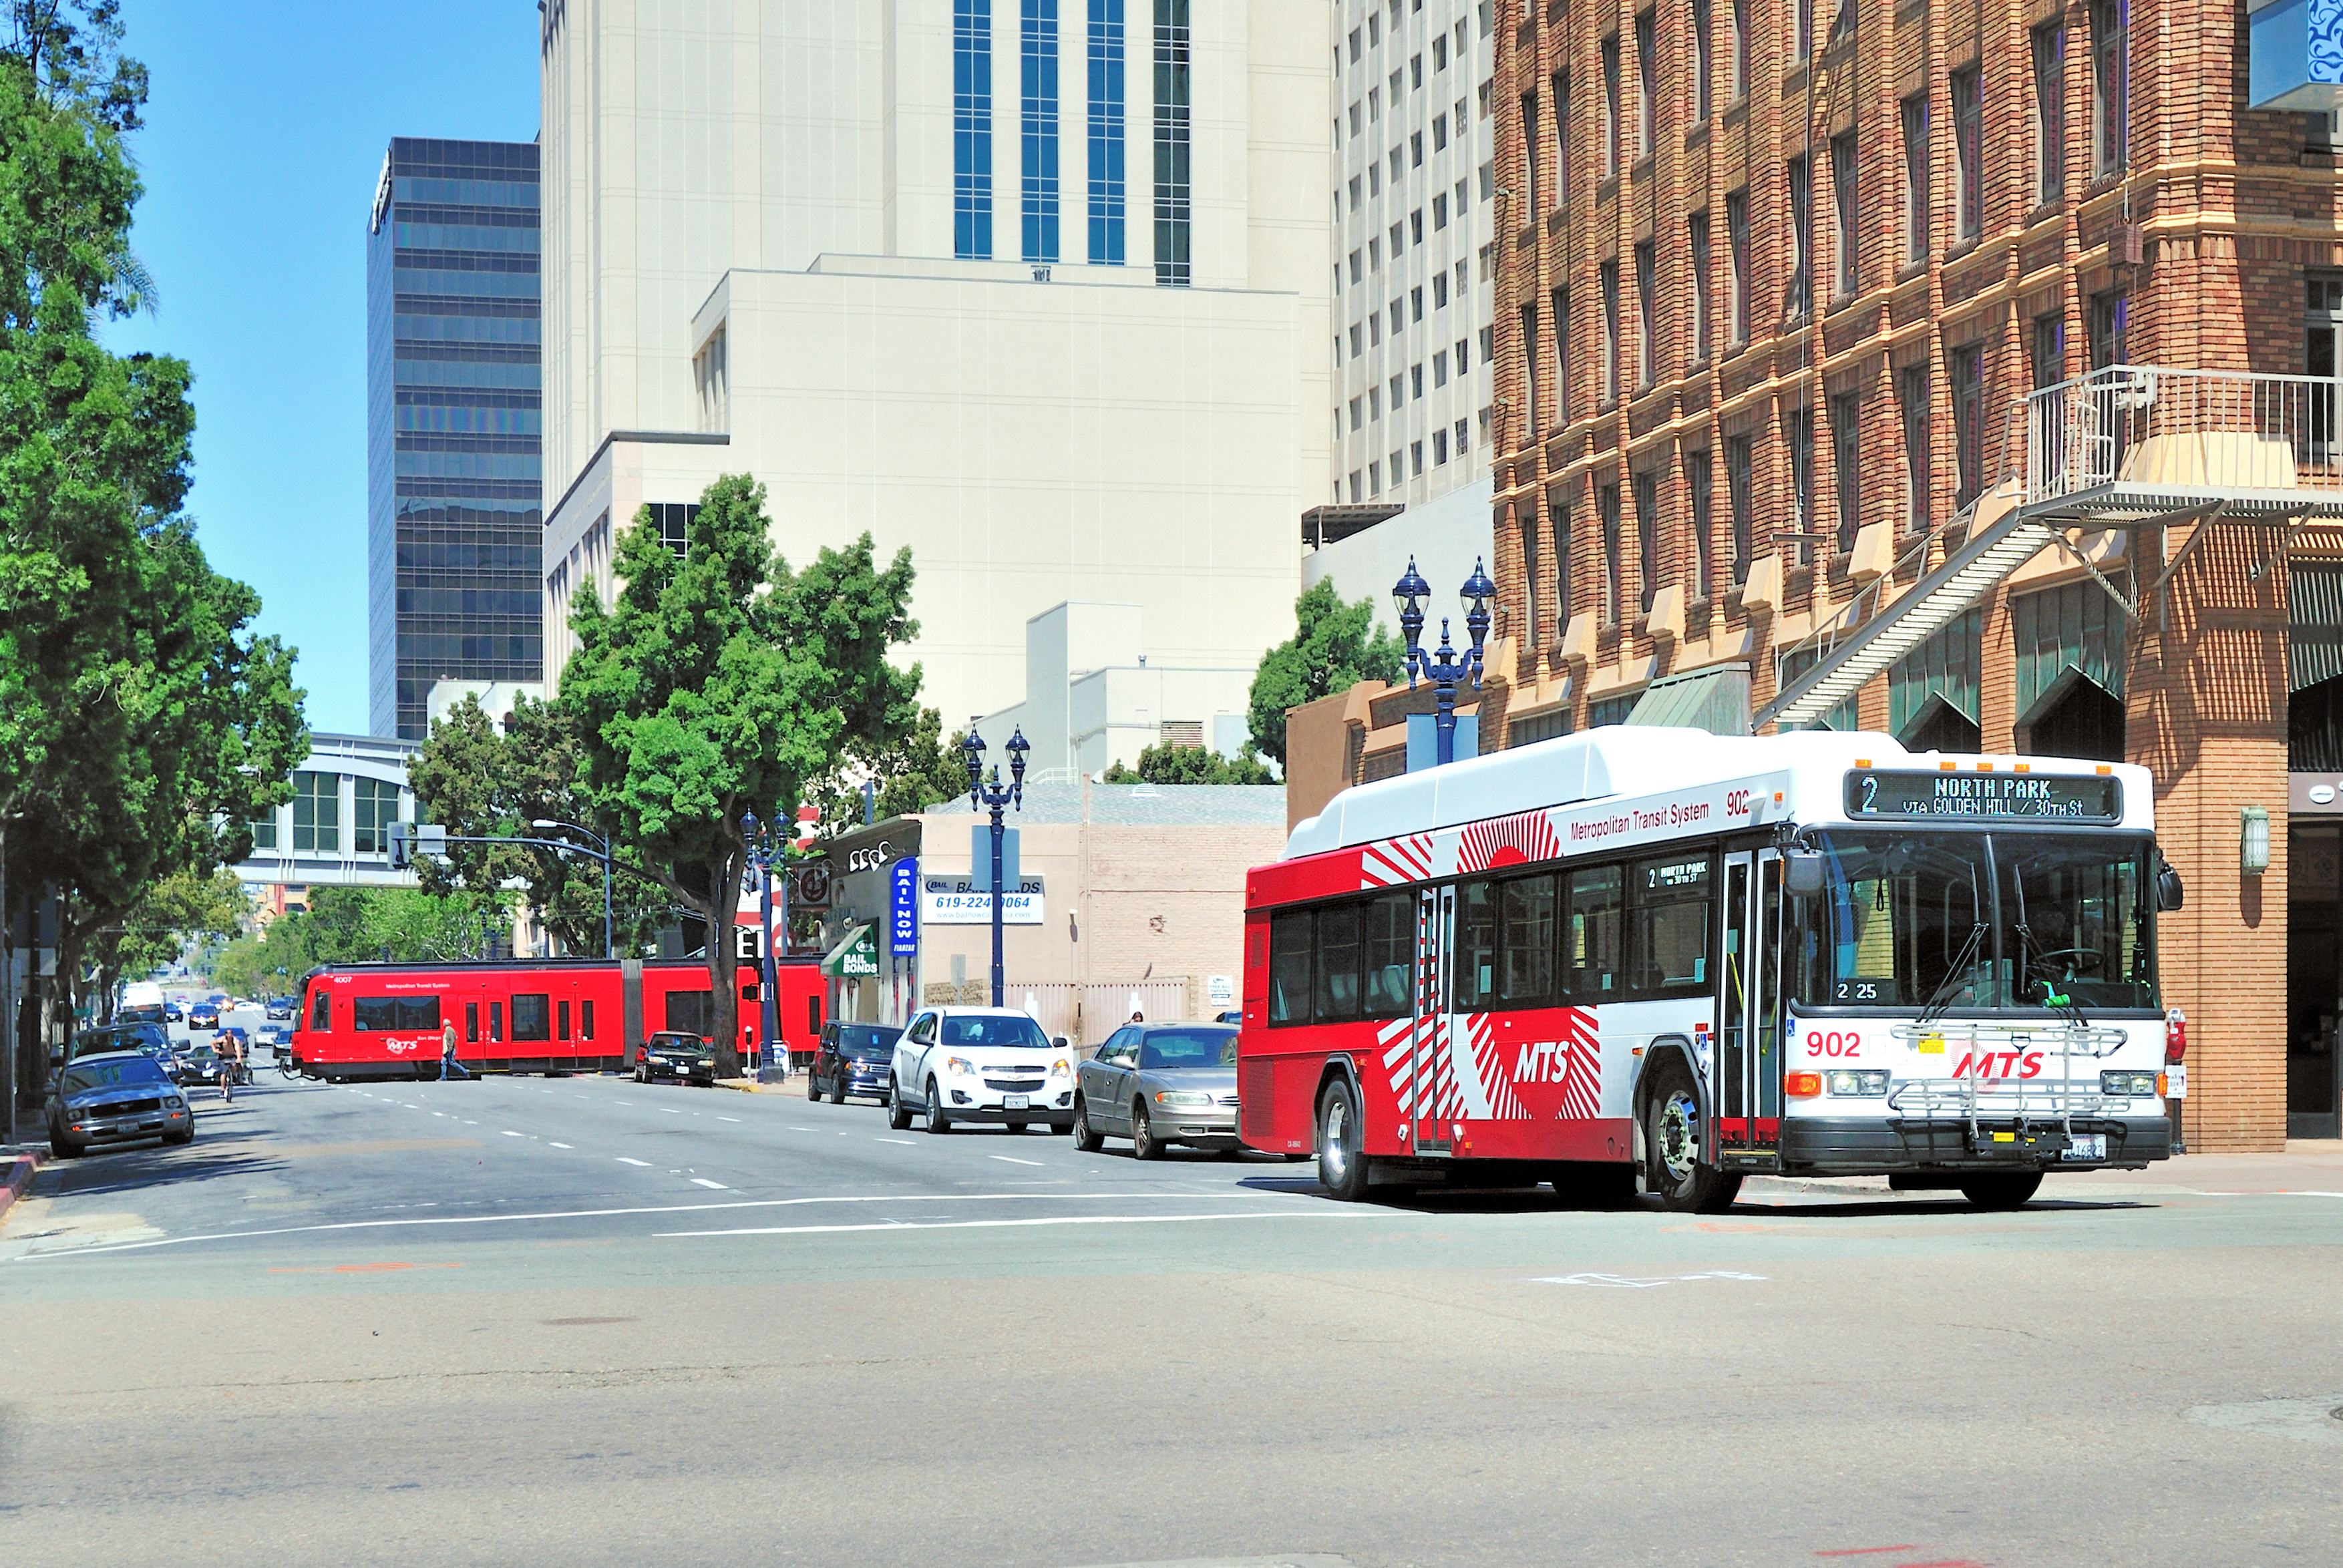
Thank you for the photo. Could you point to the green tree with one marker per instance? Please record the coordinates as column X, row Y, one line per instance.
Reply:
column 723, row 682
column 1333, row 647
column 913, row 768
column 1188, row 765
column 479, row 780
column 183, row 909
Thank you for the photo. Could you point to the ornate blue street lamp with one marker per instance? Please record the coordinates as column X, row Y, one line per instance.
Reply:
column 988, row 794
column 763, row 852
column 1446, row 667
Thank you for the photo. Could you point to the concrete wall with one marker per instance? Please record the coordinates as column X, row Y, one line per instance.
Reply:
column 1445, row 538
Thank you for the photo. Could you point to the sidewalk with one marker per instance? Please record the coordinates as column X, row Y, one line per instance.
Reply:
column 2308, row 1165
column 17, row 1164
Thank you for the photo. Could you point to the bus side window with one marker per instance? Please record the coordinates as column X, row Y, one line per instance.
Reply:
column 321, row 1014
column 562, row 1022
column 496, row 1020
column 1526, row 927
column 1391, row 955
column 472, row 1022
column 1476, row 964
column 1591, row 950
column 586, row 1019
column 1292, row 936
column 1338, row 962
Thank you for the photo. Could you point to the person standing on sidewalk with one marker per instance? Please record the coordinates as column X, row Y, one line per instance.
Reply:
column 448, row 1066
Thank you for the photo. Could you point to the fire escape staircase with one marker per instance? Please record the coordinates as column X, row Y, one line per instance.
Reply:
column 2136, row 447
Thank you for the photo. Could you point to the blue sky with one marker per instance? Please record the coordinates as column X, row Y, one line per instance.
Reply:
column 265, row 135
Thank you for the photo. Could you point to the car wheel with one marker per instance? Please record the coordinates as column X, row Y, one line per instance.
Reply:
column 1016, row 1128
column 899, row 1115
column 642, row 1072
column 1341, row 1143
column 64, row 1148
column 1059, row 1129
column 938, row 1120
column 1086, row 1137
column 813, row 1087
column 2002, row 1190
column 1672, row 1139
column 1143, row 1145
column 187, row 1137
column 838, row 1090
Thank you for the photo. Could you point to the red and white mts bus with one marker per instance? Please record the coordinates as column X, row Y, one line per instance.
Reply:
column 531, row 1015
column 1698, row 957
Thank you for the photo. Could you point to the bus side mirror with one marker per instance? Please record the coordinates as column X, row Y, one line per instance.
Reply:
column 1804, row 872
column 2167, row 887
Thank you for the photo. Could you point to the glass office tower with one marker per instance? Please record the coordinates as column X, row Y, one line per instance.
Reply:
column 453, row 424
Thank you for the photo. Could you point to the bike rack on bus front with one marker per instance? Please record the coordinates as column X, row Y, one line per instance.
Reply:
column 2060, row 1099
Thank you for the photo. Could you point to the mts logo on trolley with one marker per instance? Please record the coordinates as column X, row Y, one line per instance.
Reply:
column 1999, row 1064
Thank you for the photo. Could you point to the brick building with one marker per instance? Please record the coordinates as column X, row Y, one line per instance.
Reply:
column 1818, row 330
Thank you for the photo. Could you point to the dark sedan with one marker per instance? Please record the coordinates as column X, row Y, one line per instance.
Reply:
column 113, row 1099
column 854, row 1059
column 203, row 1015
column 688, row 1058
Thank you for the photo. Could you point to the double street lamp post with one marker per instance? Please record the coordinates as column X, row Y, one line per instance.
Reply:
column 985, row 794
column 1446, row 667
column 601, row 851
column 763, row 851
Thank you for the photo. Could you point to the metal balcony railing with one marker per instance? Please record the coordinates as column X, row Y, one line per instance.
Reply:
column 2134, row 436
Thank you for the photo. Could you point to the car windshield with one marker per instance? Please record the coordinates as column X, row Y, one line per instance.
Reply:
column 126, row 1037
column 678, row 1042
column 1012, row 1030
column 1178, row 1048
column 96, row 1075
column 869, row 1042
column 1973, row 921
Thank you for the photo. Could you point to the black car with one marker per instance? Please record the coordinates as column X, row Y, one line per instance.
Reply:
column 854, row 1059
column 671, row 1054
column 203, row 1015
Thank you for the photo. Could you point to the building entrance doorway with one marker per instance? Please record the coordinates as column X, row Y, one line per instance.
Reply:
column 2314, row 980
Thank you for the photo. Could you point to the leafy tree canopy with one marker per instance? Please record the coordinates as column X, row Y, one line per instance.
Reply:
column 362, row 925
column 1189, row 765
column 1335, row 647
column 913, row 770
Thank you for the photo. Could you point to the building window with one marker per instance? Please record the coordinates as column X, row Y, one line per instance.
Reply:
column 2047, row 349
column 1736, row 241
column 1965, row 368
column 264, row 831
column 1932, row 691
column 1607, row 501
column 2109, row 320
column 1740, row 49
column 1647, row 308
column 1968, row 154
column 1846, row 416
column 2110, row 85
column 1912, row 393
column 1701, row 482
column 1439, row 457
column 1173, row 192
column 1561, row 303
column 1844, row 278
column 1528, row 525
column 1611, row 90
column 1801, row 28
column 1530, row 150
column 1105, row 133
column 1037, row 29
column 1558, row 523
column 1647, row 85
column 973, row 128
column 1647, row 539
column 1740, row 495
column 377, row 808
column 2050, row 112
column 1802, row 232
column 1915, row 179
column 673, row 520
column 1698, row 228
column 1529, row 373
column 1562, row 138
column 1610, row 276
column 1798, row 430
column 316, row 813
column 1702, row 92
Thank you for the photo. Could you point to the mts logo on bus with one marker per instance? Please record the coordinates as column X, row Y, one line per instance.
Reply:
column 1998, row 1064
column 1543, row 1062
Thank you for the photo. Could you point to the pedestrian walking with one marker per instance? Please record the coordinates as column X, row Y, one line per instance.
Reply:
column 448, row 1066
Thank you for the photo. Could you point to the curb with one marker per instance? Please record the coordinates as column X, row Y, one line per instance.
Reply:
column 20, row 1176
column 742, row 1086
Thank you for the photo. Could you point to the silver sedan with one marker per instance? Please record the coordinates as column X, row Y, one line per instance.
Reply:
column 1159, row 1084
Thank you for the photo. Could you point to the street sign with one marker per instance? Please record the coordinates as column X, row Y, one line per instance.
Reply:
column 980, row 856
column 958, row 901
column 903, row 906
column 1221, row 990
column 748, row 944
column 857, row 958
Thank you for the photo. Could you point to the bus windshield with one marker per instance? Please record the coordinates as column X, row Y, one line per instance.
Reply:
column 1973, row 921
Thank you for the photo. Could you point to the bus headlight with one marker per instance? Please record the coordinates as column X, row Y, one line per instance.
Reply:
column 2128, row 1085
column 1865, row 1083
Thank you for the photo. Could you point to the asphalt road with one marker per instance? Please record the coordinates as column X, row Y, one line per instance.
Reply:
column 583, row 1321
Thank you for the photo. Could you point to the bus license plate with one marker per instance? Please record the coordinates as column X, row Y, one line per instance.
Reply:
column 1015, row 1101
column 2086, row 1146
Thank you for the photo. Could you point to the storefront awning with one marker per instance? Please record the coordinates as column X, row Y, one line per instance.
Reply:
column 1715, row 700
column 856, row 956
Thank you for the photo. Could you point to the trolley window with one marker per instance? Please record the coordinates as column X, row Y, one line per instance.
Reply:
column 586, row 1019
column 561, row 1020
column 496, row 1020
column 531, row 1016
column 1291, row 936
column 691, row 1012
column 472, row 1022
column 382, row 1014
column 1673, row 900
column 321, row 1010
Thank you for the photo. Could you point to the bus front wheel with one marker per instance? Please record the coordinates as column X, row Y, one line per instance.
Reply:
column 1672, row 1138
column 1341, row 1143
column 2002, row 1189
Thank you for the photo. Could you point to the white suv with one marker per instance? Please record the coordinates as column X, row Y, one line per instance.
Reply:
column 981, row 1064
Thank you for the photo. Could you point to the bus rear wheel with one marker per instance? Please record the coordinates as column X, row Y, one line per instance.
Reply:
column 2002, row 1189
column 1672, row 1139
column 1341, row 1143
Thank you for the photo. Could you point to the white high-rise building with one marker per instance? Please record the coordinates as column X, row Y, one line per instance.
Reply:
column 1034, row 288
column 1414, row 280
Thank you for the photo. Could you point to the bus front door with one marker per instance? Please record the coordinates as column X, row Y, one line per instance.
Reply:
column 1435, row 910
column 1745, row 1058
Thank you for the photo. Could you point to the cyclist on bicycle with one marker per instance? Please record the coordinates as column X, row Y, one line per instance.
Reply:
column 229, row 1046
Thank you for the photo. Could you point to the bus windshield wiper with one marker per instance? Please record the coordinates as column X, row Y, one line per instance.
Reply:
column 1957, row 974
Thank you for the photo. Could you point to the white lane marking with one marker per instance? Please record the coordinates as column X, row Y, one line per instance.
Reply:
column 727, row 1119
column 551, row 1144
column 906, row 1142
column 1630, row 1283
column 801, row 1129
column 713, row 1186
column 1018, row 1224
column 671, row 1110
column 1012, row 1159
column 444, row 1114
column 510, row 1133
column 469, row 1122
column 683, row 1209
column 644, row 1163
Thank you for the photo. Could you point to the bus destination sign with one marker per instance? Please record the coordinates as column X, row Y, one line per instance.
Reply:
column 2030, row 797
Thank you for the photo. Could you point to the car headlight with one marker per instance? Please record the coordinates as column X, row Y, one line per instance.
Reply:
column 2127, row 1084
column 173, row 1103
column 1060, row 1068
column 1182, row 1098
column 1862, row 1083
column 960, row 1064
